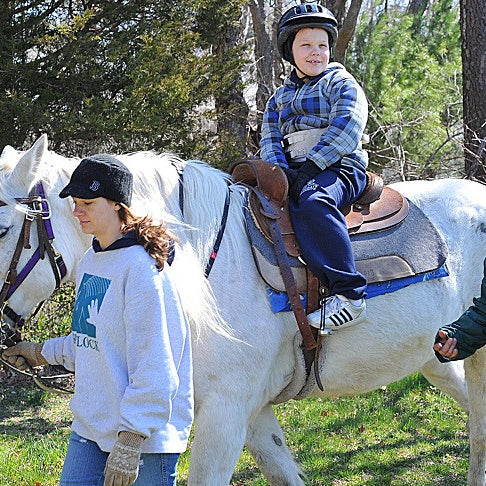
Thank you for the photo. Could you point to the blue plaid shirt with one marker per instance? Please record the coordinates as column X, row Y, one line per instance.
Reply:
column 334, row 101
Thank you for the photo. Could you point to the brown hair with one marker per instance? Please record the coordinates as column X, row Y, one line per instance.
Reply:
column 152, row 235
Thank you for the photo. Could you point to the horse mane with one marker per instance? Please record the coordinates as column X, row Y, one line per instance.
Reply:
column 156, row 175
column 205, row 191
column 153, row 178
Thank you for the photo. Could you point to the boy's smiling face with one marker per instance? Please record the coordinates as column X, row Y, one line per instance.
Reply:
column 311, row 51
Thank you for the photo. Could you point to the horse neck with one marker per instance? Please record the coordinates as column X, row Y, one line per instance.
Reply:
column 205, row 193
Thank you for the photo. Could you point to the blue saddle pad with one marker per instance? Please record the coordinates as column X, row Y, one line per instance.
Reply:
column 413, row 248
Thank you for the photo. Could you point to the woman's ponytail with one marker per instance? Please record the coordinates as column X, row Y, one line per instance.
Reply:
column 152, row 235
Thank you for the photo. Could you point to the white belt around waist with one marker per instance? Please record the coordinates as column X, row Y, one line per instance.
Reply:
column 299, row 144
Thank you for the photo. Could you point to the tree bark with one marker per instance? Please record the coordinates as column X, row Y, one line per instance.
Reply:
column 346, row 31
column 473, row 13
column 263, row 50
column 417, row 7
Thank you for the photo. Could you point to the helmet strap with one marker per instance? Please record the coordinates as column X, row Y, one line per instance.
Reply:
column 301, row 81
column 306, row 77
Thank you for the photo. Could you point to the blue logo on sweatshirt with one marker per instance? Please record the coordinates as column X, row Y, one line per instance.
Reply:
column 89, row 298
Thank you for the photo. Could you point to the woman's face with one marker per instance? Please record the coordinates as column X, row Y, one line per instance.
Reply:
column 98, row 217
column 311, row 51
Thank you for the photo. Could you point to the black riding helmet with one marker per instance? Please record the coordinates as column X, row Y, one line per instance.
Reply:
column 310, row 15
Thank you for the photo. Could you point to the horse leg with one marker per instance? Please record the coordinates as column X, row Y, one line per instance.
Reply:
column 475, row 367
column 219, row 436
column 449, row 378
column 266, row 443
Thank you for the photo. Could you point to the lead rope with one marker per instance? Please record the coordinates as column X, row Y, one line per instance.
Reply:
column 43, row 382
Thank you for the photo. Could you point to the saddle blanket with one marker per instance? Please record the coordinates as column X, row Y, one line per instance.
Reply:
column 407, row 253
column 279, row 301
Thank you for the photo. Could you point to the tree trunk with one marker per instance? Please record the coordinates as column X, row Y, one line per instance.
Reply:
column 473, row 13
column 263, row 49
column 346, row 30
column 417, row 7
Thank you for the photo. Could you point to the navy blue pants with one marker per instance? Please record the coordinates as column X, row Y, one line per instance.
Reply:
column 321, row 229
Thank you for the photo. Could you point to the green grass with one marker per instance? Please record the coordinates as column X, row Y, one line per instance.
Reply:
column 34, row 429
column 408, row 433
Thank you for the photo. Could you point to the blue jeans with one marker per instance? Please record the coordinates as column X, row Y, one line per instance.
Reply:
column 85, row 463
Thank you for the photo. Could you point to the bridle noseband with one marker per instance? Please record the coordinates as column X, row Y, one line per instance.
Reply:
column 36, row 209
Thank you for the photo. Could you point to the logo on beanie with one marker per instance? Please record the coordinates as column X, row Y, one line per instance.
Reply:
column 95, row 185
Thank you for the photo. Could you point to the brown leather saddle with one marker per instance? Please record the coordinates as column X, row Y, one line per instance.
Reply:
column 378, row 208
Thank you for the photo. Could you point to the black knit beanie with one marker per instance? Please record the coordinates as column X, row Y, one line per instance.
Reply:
column 100, row 175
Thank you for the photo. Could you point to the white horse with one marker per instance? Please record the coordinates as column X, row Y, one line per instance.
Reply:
column 237, row 380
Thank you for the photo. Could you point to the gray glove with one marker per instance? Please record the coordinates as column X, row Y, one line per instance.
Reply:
column 122, row 464
column 24, row 351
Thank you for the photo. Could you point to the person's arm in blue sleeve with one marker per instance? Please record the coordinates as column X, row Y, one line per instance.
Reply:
column 347, row 122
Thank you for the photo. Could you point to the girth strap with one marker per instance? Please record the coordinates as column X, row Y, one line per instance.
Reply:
column 285, row 270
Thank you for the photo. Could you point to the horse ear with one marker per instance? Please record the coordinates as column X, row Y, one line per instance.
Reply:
column 8, row 149
column 23, row 176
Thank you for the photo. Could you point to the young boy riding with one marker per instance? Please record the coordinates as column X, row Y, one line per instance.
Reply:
column 313, row 127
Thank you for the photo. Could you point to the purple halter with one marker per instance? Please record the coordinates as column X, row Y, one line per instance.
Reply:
column 38, row 211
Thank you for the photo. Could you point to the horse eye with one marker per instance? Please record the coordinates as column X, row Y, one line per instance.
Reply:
column 4, row 231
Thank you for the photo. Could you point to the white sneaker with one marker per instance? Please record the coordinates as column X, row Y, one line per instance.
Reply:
column 340, row 312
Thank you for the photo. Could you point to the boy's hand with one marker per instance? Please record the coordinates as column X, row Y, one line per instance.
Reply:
column 307, row 171
column 291, row 175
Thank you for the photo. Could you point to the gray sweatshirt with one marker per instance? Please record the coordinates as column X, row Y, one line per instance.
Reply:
column 130, row 350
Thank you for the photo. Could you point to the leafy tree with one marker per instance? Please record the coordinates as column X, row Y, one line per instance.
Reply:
column 21, row 23
column 411, row 76
column 127, row 75
column 221, row 26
